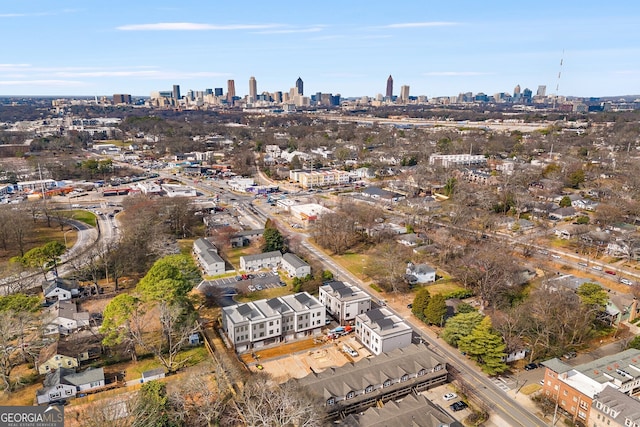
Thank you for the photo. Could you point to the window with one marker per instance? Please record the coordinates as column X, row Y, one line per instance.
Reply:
column 369, row 389
column 565, row 392
column 421, row 372
column 331, row 401
column 386, row 383
column 404, row 378
column 351, row 395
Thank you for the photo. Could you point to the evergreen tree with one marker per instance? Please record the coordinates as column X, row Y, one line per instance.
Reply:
column 460, row 326
column 273, row 239
column 436, row 309
column 486, row 347
column 420, row 303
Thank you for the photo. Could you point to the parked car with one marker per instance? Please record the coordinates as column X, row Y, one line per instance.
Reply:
column 530, row 366
column 458, row 406
column 351, row 352
column 252, row 288
column 449, row 396
column 626, row 282
column 569, row 355
column 259, row 287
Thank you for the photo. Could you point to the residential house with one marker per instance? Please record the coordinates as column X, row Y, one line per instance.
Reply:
column 60, row 289
column 381, row 331
column 269, row 321
column 409, row 239
column 584, row 204
column 569, row 231
column 628, row 248
column 357, row 386
column 344, row 301
column 207, row 257
column 420, row 273
column 611, row 408
column 55, row 356
column 574, row 388
column 66, row 383
column 294, row 266
column 63, row 318
column 563, row 213
column 377, row 193
column 259, row 261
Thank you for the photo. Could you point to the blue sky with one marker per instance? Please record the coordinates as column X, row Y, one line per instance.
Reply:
column 349, row 46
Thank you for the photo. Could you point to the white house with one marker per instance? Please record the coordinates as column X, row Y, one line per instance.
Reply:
column 420, row 273
column 60, row 289
column 66, row 383
column 294, row 266
column 153, row 374
column 63, row 318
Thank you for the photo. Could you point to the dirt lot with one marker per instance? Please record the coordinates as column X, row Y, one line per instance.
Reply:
column 297, row 360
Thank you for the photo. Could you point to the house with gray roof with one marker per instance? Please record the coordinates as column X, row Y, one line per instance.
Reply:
column 344, row 301
column 269, row 321
column 294, row 266
column 420, row 273
column 63, row 317
column 60, row 289
column 611, row 408
column 381, row 331
column 357, row 386
column 259, row 261
column 244, row 237
column 66, row 383
column 207, row 257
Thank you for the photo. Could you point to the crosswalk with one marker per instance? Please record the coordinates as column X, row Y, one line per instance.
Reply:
column 501, row 384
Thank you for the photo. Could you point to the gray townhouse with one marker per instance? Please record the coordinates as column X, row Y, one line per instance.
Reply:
column 344, row 301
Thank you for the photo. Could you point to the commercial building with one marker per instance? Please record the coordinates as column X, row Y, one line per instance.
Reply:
column 381, row 331
column 355, row 387
column 121, row 98
column 264, row 322
column 207, row 257
column 299, row 87
column 574, row 388
column 453, row 160
column 389, row 92
column 319, row 178
column 344, row 301
column 253, row 89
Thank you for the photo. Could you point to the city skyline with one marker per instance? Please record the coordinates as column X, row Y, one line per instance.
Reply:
column 336, row 47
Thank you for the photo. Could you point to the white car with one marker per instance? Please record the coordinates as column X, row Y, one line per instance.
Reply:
column 449, row 396
column 626, row 282
column 596, row 267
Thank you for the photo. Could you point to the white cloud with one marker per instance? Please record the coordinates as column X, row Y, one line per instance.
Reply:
column 313, row 29
column 13, row 66
column 40, row 83
column 421, row 24
column 456, row 73
column 191, row 26
column 107, row 73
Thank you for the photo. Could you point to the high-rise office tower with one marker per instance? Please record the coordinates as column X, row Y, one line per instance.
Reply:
column 231, row 91
column 516, row 90
column 404, row 93
column 176, row 92
column 253, row 89
column 218, row 91
column 542, row 90
column 389, row 87
column 299, row 86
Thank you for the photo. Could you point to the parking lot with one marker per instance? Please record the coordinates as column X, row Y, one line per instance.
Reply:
column 226, row 288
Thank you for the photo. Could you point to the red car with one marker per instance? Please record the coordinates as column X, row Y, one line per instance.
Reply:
column 613, row 273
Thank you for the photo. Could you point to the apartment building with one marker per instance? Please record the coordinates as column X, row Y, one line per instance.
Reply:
column 612, row 408
column 269, row 321
column 344, row 301
column 258, row 261
column 574, row 388
column 453, row 160
column 207, row 257
column 381, row 331
column 294, row 266
column 319, row 178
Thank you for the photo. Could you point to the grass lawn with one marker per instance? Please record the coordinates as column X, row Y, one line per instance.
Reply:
column 444, row 287
column 135, row 369
column 83, row 216
column 266, row 293
column 530, row 388
column 26, row 396
column 354, row 262
column 233, row 255
column 185, row 245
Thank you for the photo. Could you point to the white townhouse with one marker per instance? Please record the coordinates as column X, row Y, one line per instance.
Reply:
column 207, row 256
column 270, row 321
column 258, row 261
column 381, row 331
column 344, row 301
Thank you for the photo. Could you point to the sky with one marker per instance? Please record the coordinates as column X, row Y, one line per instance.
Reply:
column 349, row 47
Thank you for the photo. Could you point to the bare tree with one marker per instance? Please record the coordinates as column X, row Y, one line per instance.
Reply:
column 265, row 403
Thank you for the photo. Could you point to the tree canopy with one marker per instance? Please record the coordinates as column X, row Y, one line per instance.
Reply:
column 486, row 347
column 460, row 326
column 273, row 239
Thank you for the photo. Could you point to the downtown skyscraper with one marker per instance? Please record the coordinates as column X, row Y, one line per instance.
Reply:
column 253, row 89
column 299, row 87
column 231, row 91
column 389, row 93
